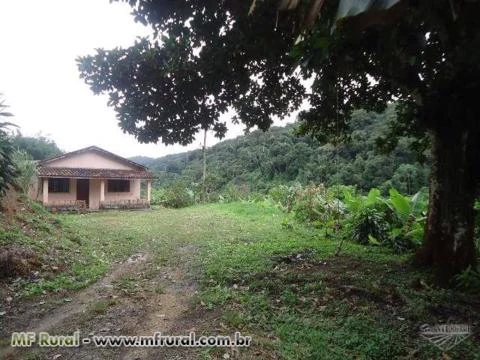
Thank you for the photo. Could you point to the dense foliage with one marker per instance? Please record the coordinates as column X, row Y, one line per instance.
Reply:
column 259, row 160
column 27, row 171
column 177, row 195
column 7, row 166
column 38, row 147
column 396, row 221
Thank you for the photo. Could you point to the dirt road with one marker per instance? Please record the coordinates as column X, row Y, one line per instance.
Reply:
column 137, row 297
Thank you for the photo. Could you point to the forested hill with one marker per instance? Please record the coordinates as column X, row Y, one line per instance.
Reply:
column 261, row 159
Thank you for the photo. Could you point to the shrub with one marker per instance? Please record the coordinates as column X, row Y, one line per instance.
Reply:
column 256, row 197
column 158, row 196
column 27, row 170
column 396, row 222
column 234, row 192
column 469, row 279
column 407, row 219
column 314, row 204
column 8, row 171
column 400, row 241
column 178, row 195
column 280, row 195
column 368, row 225
column 399, row 219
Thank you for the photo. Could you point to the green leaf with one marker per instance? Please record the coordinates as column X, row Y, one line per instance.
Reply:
column 373, row 197
column 372, row 240
column 396, row 232
column 400, row 203
column 418, row 202
column 476, row 206
column 416, row 235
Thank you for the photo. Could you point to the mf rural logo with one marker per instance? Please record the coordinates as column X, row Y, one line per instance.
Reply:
column 446, row 336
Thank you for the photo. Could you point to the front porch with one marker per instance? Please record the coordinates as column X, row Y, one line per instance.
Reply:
column 76, row 194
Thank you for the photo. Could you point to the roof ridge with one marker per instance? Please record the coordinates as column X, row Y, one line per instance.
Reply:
column 94, row 148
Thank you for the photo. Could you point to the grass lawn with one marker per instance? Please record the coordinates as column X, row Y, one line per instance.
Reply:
column 283, row 286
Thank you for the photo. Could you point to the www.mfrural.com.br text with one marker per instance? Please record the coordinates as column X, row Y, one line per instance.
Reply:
column 44, row 339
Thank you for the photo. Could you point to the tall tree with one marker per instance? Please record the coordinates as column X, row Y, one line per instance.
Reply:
column 8, row 171
column 204, row 170
column 206, row 57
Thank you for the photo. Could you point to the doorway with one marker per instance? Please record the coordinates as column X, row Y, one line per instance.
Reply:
column 83, row 190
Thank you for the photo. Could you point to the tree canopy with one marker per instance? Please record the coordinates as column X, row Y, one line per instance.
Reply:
column 205, row 57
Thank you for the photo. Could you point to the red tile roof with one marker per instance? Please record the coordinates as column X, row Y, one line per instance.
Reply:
column 63, row 172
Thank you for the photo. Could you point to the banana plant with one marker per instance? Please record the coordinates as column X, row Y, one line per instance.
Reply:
column 411, row 215
column 355, row 202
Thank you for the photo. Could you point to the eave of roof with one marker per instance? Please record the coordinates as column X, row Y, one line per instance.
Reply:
column 88, row 173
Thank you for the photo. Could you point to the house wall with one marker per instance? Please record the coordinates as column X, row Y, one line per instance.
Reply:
column 133, row 194
column 95, row 187
column 94, row 194
column 52, row 197
column 90, row 160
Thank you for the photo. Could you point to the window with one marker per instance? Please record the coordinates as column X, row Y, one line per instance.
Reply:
column 59, row 185
column 118, row 185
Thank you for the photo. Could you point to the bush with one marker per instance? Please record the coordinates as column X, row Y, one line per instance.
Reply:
column 407, row 219
column 368, row 225
column 316, row 205
column 27, row 171
column 256, row 197
column 396, row 222
column 158, row 196
column 8, row 171
column 469, row 279
column 280, row 194
column 234, row 192
column 177, row 195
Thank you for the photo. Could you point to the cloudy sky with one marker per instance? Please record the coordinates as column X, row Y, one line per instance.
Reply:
column 40, row 81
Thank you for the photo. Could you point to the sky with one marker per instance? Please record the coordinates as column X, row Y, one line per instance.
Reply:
column 39, row 80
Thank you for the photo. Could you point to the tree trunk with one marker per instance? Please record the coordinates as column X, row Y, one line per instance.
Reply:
column 449, row 246
column 204, row 176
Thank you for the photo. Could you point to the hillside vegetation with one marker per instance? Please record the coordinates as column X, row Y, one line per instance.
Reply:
column 39, row 252
column 259, row 160
column 38, row 148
